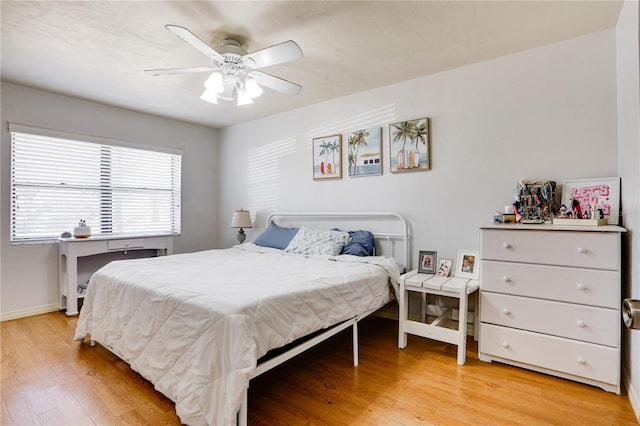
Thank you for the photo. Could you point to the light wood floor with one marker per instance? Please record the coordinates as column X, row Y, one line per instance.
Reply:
column 49, row 379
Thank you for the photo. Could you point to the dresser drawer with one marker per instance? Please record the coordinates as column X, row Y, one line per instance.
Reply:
column 587, row 360
column 580, row 322
column 596, row 250
column 584, row 286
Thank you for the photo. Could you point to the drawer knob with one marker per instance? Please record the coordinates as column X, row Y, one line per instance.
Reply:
column 506, row 245
column 582, row 250
column 580, row 323
column 506, row 279
column 582, row 287
column 581, row 361
column 506, row 311
column 505, row 344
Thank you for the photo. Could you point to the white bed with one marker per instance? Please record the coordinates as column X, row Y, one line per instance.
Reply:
column 196, row 324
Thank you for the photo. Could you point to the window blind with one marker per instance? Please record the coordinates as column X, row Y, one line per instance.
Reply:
column 117, row 190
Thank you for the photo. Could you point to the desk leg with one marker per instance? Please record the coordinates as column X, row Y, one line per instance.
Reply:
column 62, row 280
column 403, row 315
column 72, row 282
column 462, row 327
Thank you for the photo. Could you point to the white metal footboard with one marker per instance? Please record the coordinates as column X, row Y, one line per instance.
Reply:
column 275, row 361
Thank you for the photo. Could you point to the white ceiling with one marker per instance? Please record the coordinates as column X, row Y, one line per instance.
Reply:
column 97, row 50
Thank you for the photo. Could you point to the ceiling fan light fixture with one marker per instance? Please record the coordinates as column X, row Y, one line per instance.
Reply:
column 243, row 97
column 253, row 89
column 209, row 95
column 214, row 82
column 235, row 76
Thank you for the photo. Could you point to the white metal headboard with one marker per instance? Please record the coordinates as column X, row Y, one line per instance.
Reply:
column 391, row 227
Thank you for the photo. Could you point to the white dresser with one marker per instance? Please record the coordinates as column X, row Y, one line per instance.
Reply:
column 550, row 299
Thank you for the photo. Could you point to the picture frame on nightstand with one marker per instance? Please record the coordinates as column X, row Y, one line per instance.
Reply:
column 468, row 264
column 444, row 267
column 427, row 262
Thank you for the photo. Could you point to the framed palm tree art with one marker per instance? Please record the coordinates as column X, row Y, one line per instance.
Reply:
column 365, row 152
column 409, row 146
column 327, row 157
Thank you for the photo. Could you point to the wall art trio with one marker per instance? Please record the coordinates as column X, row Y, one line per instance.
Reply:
column 408, row 151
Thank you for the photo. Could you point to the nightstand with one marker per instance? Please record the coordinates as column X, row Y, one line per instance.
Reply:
column 454, row 287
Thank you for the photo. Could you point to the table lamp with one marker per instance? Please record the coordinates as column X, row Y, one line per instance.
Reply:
column 241, row 219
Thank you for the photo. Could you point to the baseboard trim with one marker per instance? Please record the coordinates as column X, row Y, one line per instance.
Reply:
column 22, row 313
column 634, row 398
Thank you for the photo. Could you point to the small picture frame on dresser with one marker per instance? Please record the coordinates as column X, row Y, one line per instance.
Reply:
column 427, row 262
column 468, row 264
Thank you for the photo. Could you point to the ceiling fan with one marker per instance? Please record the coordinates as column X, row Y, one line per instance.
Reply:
column 235, row 72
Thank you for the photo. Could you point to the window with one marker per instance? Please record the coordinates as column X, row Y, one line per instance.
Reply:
column 59, row 179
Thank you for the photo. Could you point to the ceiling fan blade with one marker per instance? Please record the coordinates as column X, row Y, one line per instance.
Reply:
column 276, row 54
column 275, row 83
column 194, row 41
column 179, row 70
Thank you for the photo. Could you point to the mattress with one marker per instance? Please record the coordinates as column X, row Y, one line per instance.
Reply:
column 195, row 324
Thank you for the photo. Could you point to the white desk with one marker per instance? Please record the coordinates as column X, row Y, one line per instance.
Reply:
column 71, row 249
column 458, row 288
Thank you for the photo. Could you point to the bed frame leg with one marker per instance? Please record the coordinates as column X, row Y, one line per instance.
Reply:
column 355, row 343
column 242, row 414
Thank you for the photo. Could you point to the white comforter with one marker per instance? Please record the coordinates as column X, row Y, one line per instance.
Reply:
column 195, row 324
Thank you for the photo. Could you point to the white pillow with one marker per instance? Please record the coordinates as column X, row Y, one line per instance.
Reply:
column 317, row 242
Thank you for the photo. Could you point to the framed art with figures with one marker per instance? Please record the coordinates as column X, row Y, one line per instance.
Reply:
column 579, row 196
column 444, row 267
column 468, row 264
column 427, row 262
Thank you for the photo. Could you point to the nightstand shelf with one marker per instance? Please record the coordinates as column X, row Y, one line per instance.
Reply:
column 454, row 287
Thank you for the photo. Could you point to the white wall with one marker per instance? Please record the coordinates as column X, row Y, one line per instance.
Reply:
column 29, row 274
column 628, row 58
column 547, row 113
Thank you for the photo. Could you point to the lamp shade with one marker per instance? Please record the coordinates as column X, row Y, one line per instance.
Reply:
column 241, row 219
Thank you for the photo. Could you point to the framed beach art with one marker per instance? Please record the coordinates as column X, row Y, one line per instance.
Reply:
column 409, row 146
column 468, row 264
column 365, row 152
column 327, row 157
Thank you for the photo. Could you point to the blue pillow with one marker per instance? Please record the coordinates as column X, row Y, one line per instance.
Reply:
column 276, row 236
column 360, row 244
